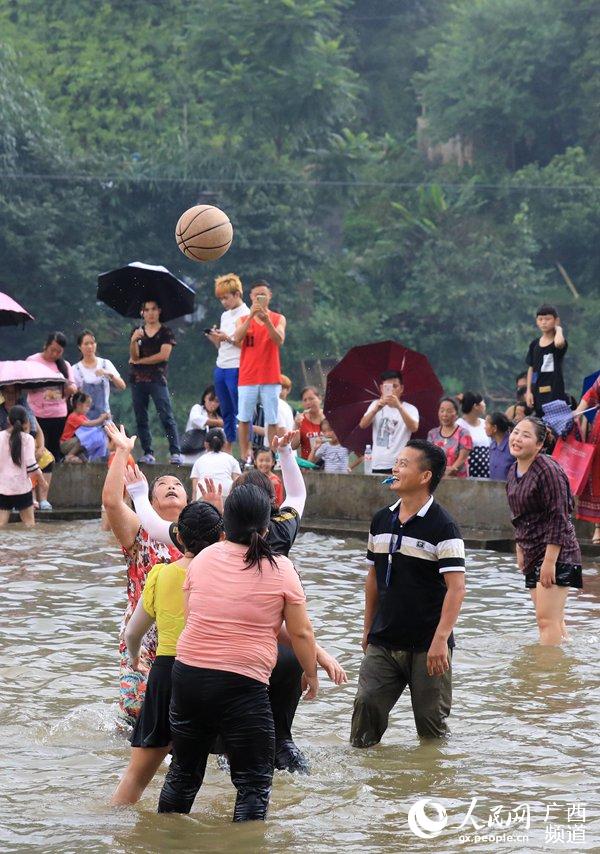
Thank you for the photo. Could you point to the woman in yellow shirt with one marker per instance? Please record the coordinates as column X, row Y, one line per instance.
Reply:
column 199, row 525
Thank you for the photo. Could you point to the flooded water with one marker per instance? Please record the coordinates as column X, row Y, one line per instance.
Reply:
column 524, row 738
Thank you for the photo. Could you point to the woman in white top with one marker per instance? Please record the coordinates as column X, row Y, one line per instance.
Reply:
column 228, row 289
column 202, row 417
column 94, row 376
column 216, row 464
column 473, row 420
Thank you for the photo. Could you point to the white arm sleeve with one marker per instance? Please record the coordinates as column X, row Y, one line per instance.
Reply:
column 159, row 529
column 137, row 627
column 293, row 482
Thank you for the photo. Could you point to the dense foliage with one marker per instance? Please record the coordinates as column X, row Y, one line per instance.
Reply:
column 299, row 117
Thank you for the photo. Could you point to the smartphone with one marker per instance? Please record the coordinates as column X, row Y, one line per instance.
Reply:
column 261, row 298
column 208, row 331
column 388, row 388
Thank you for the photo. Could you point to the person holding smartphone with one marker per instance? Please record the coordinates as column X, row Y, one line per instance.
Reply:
column 393, row 422
column 261, row 335
column 230, row 293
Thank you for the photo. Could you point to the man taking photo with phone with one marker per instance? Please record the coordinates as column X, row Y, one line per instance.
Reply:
column 393, row 422
column 261, row 335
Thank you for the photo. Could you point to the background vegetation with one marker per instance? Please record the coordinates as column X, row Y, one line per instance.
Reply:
column 299, row 118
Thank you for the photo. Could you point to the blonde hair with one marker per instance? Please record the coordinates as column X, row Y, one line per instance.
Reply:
column 230, row 283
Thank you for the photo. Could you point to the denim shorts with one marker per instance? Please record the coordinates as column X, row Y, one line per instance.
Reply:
column 567, row 575
column 250, row 395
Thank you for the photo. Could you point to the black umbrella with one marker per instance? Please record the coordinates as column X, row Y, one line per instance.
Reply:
column 128, row 287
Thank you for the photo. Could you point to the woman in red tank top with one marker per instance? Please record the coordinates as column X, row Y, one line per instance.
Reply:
column 310, row 420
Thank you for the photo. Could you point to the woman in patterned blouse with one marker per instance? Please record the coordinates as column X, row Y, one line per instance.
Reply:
column 541, row 503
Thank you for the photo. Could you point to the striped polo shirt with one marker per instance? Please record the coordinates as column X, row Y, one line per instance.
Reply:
column 410, row 560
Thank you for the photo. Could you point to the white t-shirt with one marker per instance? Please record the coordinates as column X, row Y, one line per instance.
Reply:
column 390, row 433
column 198, row 418
column 478, row 434
column 87, row 376
column 221, row 467
column 285, row 415
column 229, row 355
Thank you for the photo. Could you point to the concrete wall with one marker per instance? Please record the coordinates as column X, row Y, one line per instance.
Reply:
column 341, row 504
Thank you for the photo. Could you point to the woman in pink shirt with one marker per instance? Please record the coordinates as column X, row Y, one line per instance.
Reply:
column 49, row 405
column 237, row 595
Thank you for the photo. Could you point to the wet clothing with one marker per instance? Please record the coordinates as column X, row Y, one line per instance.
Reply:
column 547, row 382
column 140, row 558
column 152, row 728
column 566, row 575
column 452, row 445
column 14, row 479
column 410, row 560
column 383, row 676
column 259, row 359
column 209, row 703
column 541, row 504
column 235, row 613
column 162, row 599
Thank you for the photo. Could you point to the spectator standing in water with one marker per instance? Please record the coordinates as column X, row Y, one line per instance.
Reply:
column 413, row 595
column 393, row 422
column 94, row 376
column 150, row 349
column 473, row 407
column 49, row 405
column 261, row 335
column 545, row 356
column 17, row 465
column 230, row 293
column 541, row 504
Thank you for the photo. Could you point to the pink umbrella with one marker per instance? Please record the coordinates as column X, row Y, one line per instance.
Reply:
column 11, row 313
column 28, row 375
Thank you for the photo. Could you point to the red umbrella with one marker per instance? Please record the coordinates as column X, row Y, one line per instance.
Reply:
column 11, row 313
column 354, row 383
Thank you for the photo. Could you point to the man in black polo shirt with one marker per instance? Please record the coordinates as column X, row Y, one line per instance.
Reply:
column 413, row 595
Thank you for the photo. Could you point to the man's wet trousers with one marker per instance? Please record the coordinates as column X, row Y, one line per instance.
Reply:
column 208, row 703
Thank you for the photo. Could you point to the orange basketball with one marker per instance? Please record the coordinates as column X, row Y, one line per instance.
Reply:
column 204, row 233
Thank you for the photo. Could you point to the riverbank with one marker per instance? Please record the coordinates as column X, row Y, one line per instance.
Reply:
column 339, row 505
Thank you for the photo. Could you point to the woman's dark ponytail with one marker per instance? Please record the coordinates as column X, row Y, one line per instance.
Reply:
column 17, row 418
column 215, row 439
column 247, row 512
column 60, row 339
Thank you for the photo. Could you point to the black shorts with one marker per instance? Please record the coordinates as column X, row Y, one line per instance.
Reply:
column 152, row 726
column 567, row 575
column 19, row 502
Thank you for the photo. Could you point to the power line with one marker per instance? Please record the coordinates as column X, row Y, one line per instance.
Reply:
column 110, row 180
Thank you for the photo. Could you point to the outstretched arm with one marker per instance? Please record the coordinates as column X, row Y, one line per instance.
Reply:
column 137, row 627
column 121, row 518
column 293, row 482
column 137, row 487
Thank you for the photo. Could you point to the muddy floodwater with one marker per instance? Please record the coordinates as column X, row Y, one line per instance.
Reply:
column 522, row 764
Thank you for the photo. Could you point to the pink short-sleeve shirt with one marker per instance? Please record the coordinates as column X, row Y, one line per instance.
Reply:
column 236, row 612
column 49, row 402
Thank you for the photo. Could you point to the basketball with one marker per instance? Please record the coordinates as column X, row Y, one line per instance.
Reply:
column 204, row 233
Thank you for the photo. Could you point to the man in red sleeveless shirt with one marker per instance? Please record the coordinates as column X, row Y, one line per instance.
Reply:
column 261, row 334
